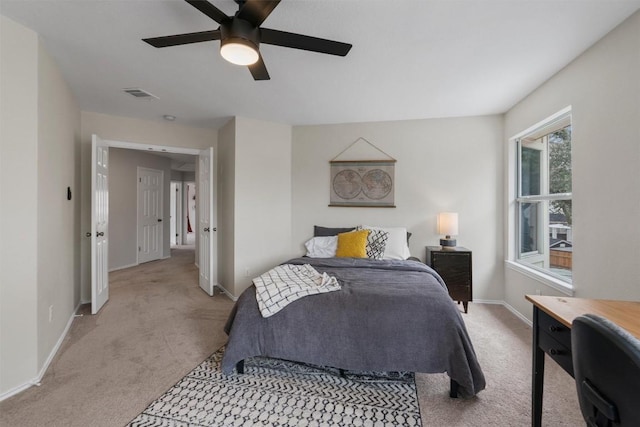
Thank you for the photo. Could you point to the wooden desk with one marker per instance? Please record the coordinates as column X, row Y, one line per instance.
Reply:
column 552, row 320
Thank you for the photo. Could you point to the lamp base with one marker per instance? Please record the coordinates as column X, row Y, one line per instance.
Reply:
column 448, row 243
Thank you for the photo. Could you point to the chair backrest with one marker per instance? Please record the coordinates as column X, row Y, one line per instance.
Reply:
column 606, row 365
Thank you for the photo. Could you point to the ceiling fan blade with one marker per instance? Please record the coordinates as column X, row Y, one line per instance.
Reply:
column 256, row 11
column 178, row 39
column 210, row 10
column 259, row 70
column 299, row 41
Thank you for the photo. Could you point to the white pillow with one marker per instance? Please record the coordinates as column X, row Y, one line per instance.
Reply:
column 322, row 247
column 397, row 247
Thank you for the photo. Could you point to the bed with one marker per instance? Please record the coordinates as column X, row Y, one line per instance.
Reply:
column 389, row 315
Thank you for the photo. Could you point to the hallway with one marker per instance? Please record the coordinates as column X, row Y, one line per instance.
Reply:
column 157, row 325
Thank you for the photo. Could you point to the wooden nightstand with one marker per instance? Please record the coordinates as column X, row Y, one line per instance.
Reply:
column 454, row 266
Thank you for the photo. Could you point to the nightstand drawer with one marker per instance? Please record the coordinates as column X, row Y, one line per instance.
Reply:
column 453, row 268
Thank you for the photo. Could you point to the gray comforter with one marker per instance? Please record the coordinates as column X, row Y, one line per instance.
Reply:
column 388, row 316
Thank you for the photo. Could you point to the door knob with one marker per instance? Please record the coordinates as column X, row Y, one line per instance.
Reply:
column 215, row 229
column 159, row 219
column 100, row 233
column 206, row 229
column 88, row 234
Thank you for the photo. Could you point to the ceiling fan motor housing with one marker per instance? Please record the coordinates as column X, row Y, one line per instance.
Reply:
column 239, row 31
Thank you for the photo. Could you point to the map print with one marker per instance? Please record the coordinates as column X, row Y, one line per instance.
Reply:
column 347, row 184
column 376, row 184
column 362, row 183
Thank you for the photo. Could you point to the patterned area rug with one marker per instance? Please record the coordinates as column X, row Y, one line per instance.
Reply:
column 279, row 393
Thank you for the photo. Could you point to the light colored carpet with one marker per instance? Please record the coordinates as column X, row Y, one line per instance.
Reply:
column 503, row 345
column 158, row 325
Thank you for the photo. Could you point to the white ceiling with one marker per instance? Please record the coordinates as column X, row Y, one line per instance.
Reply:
column 410, row 58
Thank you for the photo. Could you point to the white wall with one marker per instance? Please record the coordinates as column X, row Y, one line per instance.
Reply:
column 127, row 130
column 226, row 205
column 262, row 198
column 254, row 189
column 39, row 134
column 603, row 87
column 123, row 204
column 18, row 206
column 442, row 165
column 58, row 218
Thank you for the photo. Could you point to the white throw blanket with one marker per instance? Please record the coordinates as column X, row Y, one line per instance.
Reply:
column 286, row 283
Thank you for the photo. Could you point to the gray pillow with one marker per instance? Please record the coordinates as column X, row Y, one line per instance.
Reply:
column 319, row 231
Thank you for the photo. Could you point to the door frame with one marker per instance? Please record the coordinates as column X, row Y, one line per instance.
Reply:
column 175, row 215
column 154, row 149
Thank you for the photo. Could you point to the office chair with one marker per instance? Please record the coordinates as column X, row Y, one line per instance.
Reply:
column 606, row 365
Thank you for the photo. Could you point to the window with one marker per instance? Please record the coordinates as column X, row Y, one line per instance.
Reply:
column 543, row 217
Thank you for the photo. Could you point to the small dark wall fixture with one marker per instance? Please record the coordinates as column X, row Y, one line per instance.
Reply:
column 68, row 193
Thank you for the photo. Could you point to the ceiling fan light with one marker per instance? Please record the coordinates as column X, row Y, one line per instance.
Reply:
column 239, row 52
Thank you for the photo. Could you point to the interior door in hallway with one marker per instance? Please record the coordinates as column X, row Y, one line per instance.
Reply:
column 99, row 223
column 208, row 256
column 150, row 226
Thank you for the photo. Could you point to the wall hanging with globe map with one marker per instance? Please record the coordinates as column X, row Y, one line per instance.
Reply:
column 364, row 183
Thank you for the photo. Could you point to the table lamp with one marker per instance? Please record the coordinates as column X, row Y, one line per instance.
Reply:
column 448, row 225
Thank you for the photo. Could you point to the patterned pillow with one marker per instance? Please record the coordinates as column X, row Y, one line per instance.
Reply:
column 397, row 247
column 376, row 242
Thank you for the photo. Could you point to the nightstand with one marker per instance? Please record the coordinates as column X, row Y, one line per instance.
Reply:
column 454, row 266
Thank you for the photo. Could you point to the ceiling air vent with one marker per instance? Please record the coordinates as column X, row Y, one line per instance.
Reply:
column 139, row 93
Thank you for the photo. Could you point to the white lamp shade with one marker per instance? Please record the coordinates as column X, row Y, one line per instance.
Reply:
column 448, row 223
column 239, row 53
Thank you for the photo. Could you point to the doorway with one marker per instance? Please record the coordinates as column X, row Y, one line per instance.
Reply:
column 190, row 214
column 205, row 250
column 183, row 208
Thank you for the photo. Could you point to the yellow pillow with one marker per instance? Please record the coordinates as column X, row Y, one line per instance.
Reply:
column 352, row 244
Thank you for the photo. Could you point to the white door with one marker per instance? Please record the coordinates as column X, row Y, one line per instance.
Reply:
column 207, row 222
column 173, row 229
column 150, row 227
column 99, row 223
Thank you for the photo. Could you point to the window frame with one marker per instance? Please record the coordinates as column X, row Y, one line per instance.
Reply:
column 515, row 257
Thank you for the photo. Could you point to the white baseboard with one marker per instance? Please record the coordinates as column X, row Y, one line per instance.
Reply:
column 508, row 307
column 518, row 314
column 36, row 381
column 15, row 390
column 488, row 301
column 122, row 267
column 226, row 292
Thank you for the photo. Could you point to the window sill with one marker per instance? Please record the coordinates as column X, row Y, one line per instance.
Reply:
column 545, row 279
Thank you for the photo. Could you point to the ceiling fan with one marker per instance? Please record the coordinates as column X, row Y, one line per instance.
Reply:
column 240, row 35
